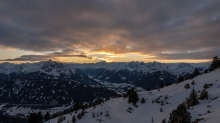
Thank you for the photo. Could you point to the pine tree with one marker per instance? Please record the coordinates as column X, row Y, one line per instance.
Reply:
column 40, row 117
column 35, row 118
column 215, row 63
column 180, row 115
column 161, row 110
column 161, row 85
column 79, row 116
column 133, row 98
column 206, row 71
column 163, row 121
column 206, row 86
column 143, row 100
column 32, row 118
column 193, row 98
column 54, row 115
column 74, row 119
column 193, row 82
column 181, row 79
column 196, row 72
column 77, row 105
column 168, row 83
column 65, row 112
column 86, row 106
column 204, row 95
column 47, row 116
column 129, row 92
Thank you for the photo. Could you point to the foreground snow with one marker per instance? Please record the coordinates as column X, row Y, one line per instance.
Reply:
column 176, row 94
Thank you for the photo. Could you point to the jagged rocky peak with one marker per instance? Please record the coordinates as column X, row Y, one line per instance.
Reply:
column 50, row 64
column 155, row 63
column 134, row 64
column 102, row 62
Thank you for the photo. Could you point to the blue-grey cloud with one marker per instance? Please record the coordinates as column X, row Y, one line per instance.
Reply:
column 144, row 26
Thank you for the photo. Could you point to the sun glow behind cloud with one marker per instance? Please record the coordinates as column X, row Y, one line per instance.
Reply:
column 96, row 57
column 111, row 31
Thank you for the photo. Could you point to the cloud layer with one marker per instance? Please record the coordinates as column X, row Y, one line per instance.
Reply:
column 164, row 29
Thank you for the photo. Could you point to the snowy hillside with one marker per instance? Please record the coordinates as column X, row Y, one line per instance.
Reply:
column 171, row 96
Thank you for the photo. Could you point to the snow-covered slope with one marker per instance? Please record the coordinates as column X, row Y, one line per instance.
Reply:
column 176, row 94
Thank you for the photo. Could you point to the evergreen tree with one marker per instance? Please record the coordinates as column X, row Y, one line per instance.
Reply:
column 143, row 100
column 204, row 95
column 163, row 121
column 180, row 115
column 39, row 117
column 79, row 116
column 32, row 118
column 98, row 101
column 54, row 115
column 192, row 76
column 215, row 63
column 47, row 116
column 193, row 82
column 161, row 85
column 206, row 71
column 77, row 105
column 108, row 98
column 193, row 98
column 129, row 92
column 65, row 112
column 196, row 72
column 168, row 83
column 74, row 119
column 133, row 98
column 86, row 106
column 206, row 86
column 181, row 79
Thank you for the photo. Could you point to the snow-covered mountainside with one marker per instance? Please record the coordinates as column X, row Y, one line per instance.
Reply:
column 47, row 82
column 176, row 69
column 139, row 74
column 42, row 82
column 168, row 98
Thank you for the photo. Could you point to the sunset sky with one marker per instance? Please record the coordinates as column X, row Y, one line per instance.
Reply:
column 90, row 31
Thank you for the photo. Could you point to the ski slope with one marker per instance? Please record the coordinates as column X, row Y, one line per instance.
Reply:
column 144, row 113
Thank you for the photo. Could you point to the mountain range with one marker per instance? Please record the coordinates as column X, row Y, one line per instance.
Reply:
column 52, row 82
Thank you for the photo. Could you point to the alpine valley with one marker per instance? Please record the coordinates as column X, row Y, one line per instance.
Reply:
column 52, row 82
column 53, row 85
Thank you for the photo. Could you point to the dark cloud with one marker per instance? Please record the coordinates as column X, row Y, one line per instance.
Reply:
column 144, row 26
column 54, row 55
